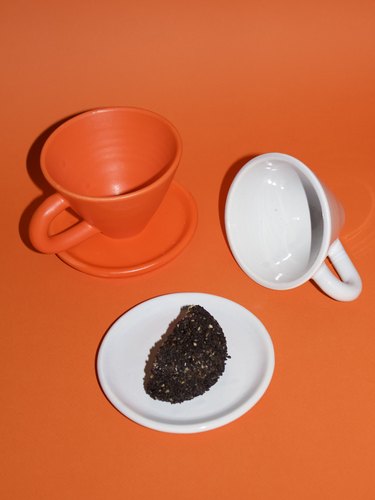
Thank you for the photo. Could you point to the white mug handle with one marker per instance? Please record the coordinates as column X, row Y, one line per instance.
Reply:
column 350, row 286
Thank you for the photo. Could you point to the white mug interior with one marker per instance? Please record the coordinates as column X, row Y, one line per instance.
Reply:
column 278, row 221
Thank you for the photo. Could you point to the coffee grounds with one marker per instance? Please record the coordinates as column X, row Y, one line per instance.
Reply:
column 189, row 358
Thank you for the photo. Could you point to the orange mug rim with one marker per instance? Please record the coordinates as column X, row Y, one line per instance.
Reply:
column 137, row 191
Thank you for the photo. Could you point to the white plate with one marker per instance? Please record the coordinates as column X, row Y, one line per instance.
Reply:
column 125, row 349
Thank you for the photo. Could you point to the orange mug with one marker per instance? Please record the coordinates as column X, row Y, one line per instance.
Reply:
column 113, row 167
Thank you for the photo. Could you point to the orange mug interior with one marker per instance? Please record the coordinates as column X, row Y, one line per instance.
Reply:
column 109, row 152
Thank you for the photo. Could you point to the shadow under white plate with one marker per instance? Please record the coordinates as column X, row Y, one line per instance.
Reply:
column 125, row 349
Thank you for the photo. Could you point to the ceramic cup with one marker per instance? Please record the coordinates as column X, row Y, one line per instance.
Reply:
column 282, row 223
column 113, row 167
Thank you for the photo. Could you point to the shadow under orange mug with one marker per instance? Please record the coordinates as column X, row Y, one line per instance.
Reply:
column 113, row 167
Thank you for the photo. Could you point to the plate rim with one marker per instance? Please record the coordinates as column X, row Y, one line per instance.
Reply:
column 210, row 424
column 186, row 199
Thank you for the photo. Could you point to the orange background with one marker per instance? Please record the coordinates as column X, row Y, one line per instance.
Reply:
column 237, row 78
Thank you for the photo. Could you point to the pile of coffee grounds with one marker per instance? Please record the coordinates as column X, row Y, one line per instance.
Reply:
column 189, row 359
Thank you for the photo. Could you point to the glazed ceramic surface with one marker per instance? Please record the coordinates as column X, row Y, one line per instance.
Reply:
column 113, row 167
column 165, row 236
column 282, row 223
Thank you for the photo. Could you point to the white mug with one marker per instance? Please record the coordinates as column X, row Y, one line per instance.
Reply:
column 282, row 223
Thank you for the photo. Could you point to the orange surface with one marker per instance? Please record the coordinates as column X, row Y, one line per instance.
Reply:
column 236, row 78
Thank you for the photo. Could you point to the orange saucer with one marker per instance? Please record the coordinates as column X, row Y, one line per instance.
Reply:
column 166, row 235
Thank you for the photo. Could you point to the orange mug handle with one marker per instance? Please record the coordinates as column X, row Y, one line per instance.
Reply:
column 41, row 220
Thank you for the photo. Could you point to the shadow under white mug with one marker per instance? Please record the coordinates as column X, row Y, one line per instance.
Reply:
column 282, row 223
